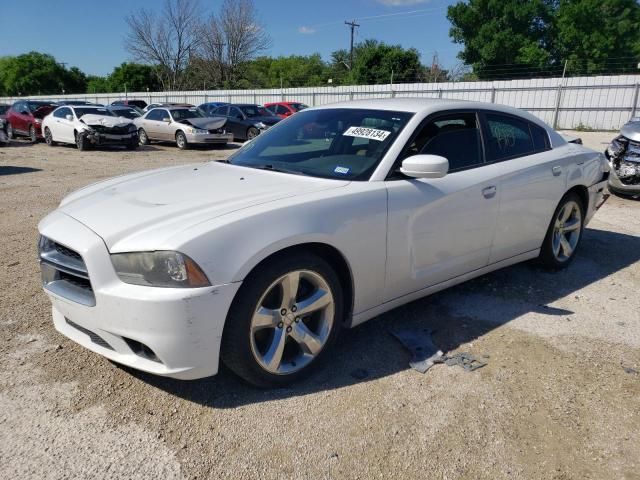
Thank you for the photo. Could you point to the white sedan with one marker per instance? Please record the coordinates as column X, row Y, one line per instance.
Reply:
column 332, row 217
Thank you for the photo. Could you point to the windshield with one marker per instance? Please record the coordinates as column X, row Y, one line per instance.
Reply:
column 81, row 112
column 342, row 143
column 298, row 106
column 186, row 113
column 255, row 111
column 3, row 109
column 126, row 113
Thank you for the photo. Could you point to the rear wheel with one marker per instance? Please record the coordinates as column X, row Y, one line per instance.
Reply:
column 142, row 137
column 48, row 137
column 181, row 141
column 32, row 134
column 564, row 233
column 10, row 133
column 283, row 321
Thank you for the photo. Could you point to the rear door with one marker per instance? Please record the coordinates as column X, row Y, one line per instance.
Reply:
column 439, row 229
column 61, row 127
column 152, row 123
column 532, row 182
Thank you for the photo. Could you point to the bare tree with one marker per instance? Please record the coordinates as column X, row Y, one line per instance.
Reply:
column 231, row 39
column 167, row 40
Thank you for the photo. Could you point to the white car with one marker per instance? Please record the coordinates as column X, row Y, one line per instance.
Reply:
column 87, row 125
column 332, row 217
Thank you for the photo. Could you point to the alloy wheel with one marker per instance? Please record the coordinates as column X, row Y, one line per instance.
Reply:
column 566, row 231
column 292, row 322
column 48, row 138
column 32, row 134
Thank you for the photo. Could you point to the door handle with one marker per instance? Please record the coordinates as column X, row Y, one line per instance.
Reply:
column 556, row 171
column 489, row 192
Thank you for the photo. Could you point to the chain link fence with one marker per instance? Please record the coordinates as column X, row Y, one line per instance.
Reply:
column 597, row 103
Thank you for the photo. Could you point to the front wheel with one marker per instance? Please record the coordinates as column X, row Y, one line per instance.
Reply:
column 181, row 141
column 252, row 133
column 10, row 133
column 283, row 320
column 564, row 233
column 48, row 137
column 32, row 134
column 143, row 138
column 81, row 141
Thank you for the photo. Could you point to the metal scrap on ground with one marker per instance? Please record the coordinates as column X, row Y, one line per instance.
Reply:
column 425, row 354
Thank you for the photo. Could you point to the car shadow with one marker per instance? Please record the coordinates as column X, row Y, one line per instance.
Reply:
column 11, row 170
column 369, row 351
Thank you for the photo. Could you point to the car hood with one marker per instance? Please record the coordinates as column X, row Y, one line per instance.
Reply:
column 43, row 111
column 129, row 210
column 208, row 123
column 104, row 120
column 631, row 130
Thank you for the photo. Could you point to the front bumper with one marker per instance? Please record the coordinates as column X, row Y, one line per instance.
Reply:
column 221, row 138
column 172, row 332
column 111, row 139
column 616, row 185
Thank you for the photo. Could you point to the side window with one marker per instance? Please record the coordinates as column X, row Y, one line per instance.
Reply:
column 455, row 136
column 540, row 138
column 18, row 107
column 62, row 112
column 281, row 110
column 155, row 114
column 507, row 137
column 235, row 112
column 224, row 111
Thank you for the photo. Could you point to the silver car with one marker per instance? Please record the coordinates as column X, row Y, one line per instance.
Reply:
column 182, row 125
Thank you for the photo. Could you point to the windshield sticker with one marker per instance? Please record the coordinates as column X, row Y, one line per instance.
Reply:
column 364, row 132
column 341, row 170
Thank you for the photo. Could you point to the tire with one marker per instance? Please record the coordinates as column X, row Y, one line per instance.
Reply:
column 564, row 233
column 10, row 133
column 32, row 134
column 81, row 141
column 280, row 346
column 48, row 137
column 252, row 132
column 181, row 140
column 143, row 138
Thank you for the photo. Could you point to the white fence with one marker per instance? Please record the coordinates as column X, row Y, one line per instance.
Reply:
column 599, row 103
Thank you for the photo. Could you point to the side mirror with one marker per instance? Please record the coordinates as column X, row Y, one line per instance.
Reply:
column 166, row 119
column 425, row 166
column 69, row 117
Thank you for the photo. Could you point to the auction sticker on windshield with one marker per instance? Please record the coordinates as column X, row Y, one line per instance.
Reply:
column 370, row 133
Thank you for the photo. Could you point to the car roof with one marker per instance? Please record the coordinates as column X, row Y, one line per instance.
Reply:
column 430, row 105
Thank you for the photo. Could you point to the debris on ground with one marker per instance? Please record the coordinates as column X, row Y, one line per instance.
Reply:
column 425, row 354
column 630, row 370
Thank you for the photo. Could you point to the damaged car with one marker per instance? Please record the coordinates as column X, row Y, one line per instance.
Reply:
column 261, row 260
column 624, row 158
column 182, row 125
column 86, row 126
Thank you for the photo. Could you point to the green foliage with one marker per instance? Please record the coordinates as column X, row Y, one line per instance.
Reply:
column 374, row 61
column 291, row 71
column 594, row 35
column 36, row 73
column 133, row 77
column 518, row 38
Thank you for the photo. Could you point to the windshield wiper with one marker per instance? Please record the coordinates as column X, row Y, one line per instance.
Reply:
column 277, row 169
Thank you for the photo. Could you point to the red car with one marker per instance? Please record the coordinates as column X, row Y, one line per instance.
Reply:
column 24, row 118
column 285, row 109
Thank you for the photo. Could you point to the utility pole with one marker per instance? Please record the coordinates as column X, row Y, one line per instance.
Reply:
column 353, row 26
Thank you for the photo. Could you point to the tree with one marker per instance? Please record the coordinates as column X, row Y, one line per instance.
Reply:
column 229, row 40
column 598, row 35
column 36, row 73
column 97, row 84
column 503, row 38
column 166, row 41
column 374, row 62
column 133, row 77
column 291, row 71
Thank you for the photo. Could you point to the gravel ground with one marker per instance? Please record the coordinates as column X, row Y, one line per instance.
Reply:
column 559, row 398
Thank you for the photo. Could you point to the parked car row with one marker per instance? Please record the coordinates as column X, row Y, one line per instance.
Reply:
column 185, row 124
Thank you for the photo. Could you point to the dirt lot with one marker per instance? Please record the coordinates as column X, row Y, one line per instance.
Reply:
column 559, row 398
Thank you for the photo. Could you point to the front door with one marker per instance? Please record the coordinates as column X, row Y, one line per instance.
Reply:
column 439, row 229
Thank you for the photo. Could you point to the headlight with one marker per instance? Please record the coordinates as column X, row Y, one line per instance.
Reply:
column 260, row 125
column 615, row 148
column 159, row 269
column 197, row 130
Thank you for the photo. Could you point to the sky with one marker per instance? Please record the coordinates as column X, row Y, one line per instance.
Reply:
column 85, row 34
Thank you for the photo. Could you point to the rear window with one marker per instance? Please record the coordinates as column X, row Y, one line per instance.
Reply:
column 507, row 137
column 540, row 138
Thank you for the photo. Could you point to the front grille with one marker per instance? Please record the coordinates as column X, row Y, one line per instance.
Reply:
column 217, row 130
column 94, row 337
column 111, row 130
column 64, row 272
